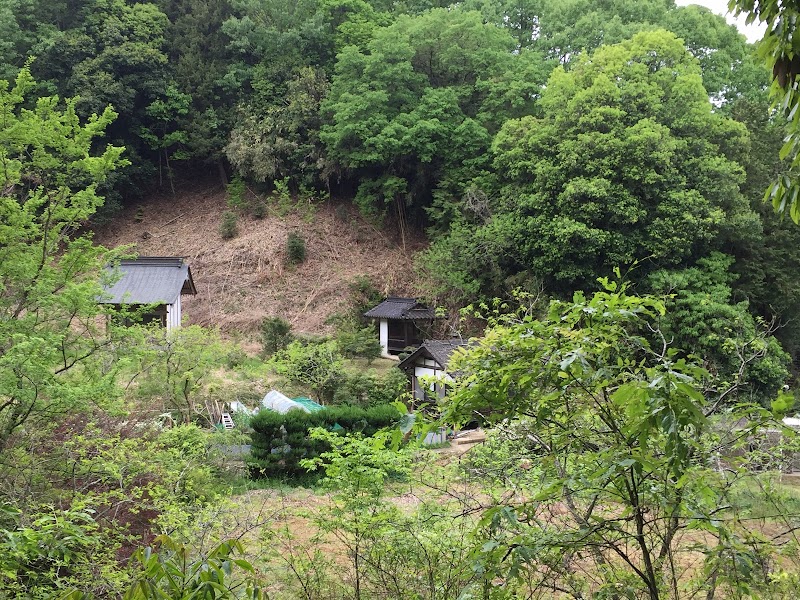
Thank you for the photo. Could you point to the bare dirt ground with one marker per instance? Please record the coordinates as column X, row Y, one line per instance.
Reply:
column 242, row 280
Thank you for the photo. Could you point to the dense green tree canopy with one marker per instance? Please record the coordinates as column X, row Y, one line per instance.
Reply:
column 415, row 112
column 564, row 29
column 198, row 55
column 271, row 40
column 703, row 316
column 628, row 161
column 114, row 56
column 224, row 53
column 283, row 139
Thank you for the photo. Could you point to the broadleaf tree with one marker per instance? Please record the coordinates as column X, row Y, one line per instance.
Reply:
column 627, row 439
column 778, row 49
column 412, row 116
column 626, row 161
column 49, row 275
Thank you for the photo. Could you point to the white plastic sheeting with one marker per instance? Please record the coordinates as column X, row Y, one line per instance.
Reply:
column 238, row 407
column 276, row 401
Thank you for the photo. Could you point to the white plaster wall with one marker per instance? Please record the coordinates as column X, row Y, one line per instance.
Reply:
column 174, row 314
column 419, row 385
column 435, row 385
column 383, row 329
column 424, row 372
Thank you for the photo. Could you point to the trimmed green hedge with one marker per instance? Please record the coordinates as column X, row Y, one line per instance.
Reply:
column 280, row 442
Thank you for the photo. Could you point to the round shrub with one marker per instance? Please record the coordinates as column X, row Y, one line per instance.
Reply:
column 295, row 248
column 368, row 390
column 362, row 343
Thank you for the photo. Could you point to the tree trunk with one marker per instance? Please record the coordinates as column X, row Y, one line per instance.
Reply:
column 169, row 173
column 223, row 176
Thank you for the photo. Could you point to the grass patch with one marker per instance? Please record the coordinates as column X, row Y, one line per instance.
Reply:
column 378, row 367
column 768, row 496
column 242, row 485
column 253, row 368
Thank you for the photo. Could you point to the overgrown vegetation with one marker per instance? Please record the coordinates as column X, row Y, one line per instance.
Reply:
column 359, row 342
column 625, row 440
column 316, row 365
column 637, row 446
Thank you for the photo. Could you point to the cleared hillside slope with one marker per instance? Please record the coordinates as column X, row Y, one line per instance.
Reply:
column 242, row 280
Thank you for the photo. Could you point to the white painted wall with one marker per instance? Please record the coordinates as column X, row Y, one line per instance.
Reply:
column 420, row 371
column 174, row 314
column 425, row 372
column 419, row 387
column 383, row 330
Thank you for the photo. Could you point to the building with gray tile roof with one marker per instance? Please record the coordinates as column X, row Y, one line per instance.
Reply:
column 430, row 361
column 151, row 280
column 401, row 322
column 409, row 309
column 436, row 350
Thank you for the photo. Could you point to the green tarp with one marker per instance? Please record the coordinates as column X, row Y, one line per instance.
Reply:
column 309, row 404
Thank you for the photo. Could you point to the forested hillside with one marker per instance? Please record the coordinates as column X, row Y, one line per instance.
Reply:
column 587, row 196
column 537, row 144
